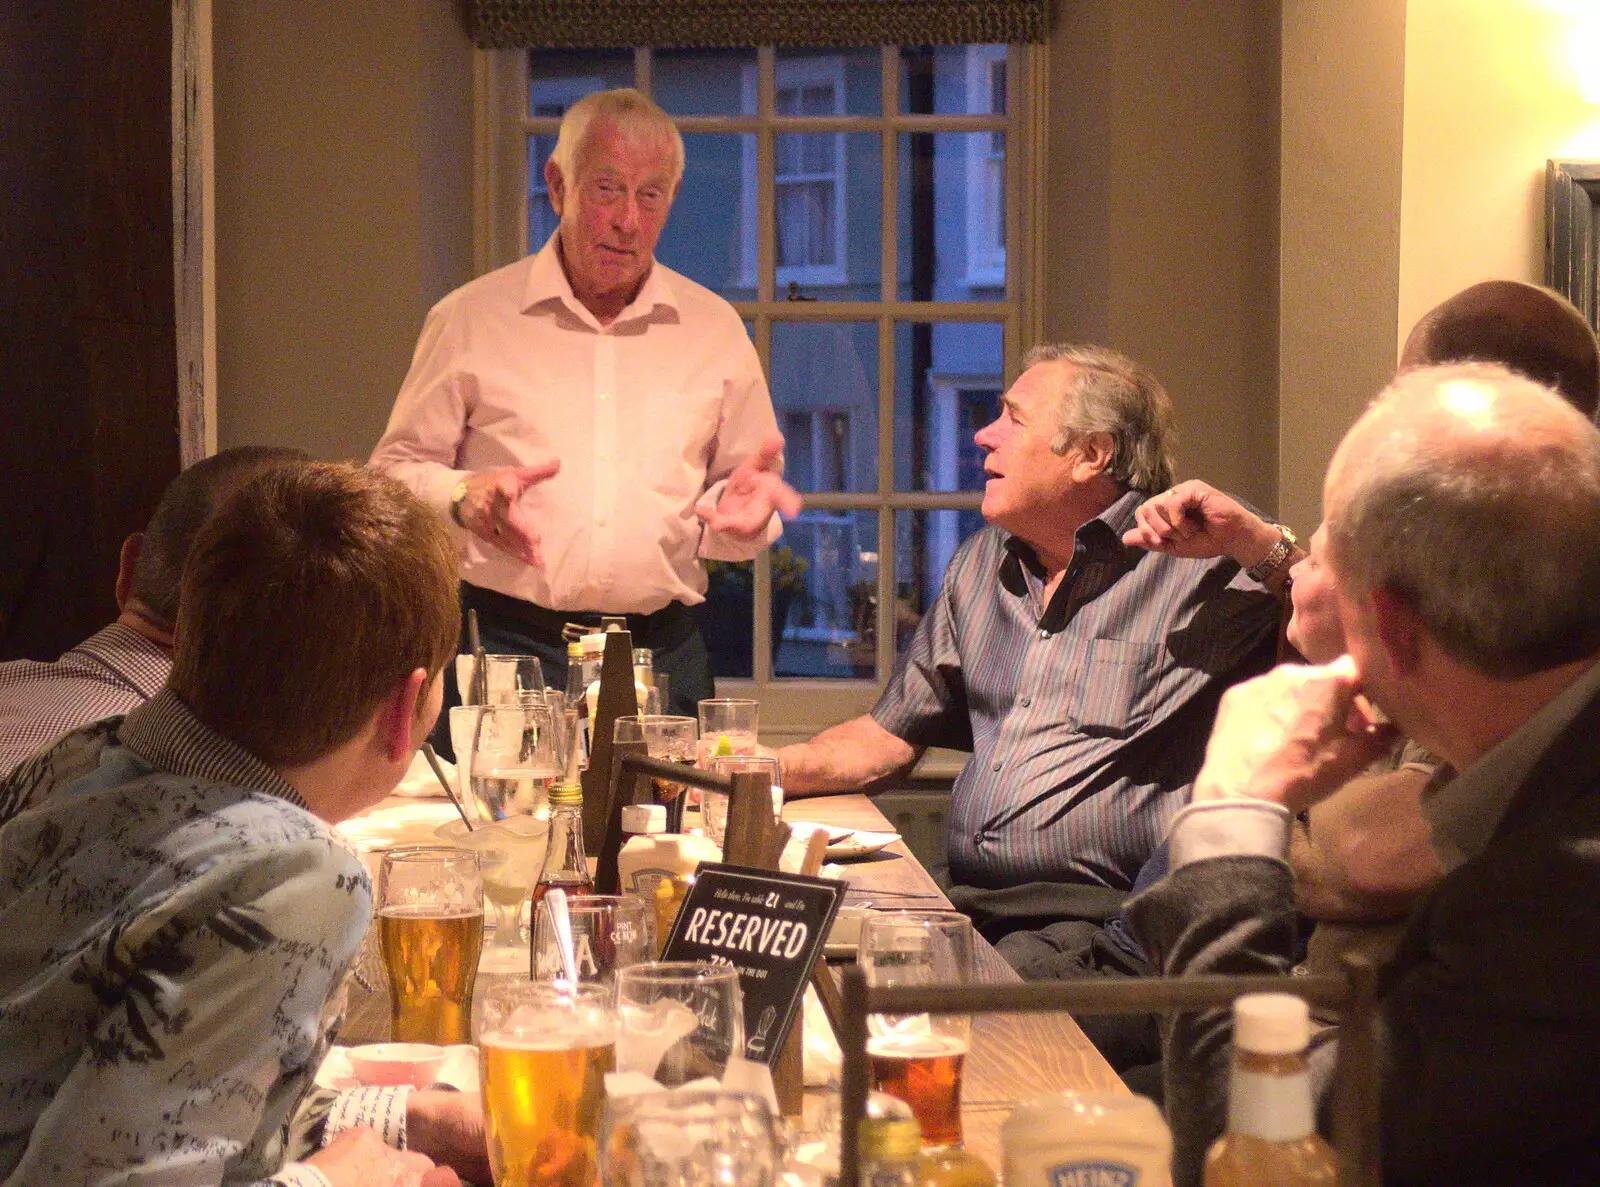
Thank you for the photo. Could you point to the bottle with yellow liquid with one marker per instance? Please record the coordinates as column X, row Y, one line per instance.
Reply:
column 1272, row 1136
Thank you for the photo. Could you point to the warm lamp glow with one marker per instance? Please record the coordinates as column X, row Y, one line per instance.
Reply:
column 1583, row 43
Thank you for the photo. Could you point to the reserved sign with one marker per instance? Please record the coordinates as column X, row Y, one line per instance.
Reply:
column 771, row 928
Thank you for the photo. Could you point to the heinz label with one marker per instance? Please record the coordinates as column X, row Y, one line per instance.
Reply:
column 1093, row 1174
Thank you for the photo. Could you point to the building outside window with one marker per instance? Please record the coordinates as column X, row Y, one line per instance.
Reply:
column 867, row 250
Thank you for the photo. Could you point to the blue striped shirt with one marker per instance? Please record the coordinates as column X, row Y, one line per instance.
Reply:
column 1087, row 719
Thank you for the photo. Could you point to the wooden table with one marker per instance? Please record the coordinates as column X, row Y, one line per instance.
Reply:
column 1012, row 1056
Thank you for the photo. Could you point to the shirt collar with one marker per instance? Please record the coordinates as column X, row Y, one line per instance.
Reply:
column 548, row 289
column 1465, row 811
column 167, row 735
column 1101, row 535
column 141, row 663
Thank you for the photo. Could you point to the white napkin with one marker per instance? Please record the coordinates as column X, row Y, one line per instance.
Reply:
column 648, row 1032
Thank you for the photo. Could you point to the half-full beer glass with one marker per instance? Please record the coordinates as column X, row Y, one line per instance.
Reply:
column 543, row 1053
column 430, row 929
column 919, row 1057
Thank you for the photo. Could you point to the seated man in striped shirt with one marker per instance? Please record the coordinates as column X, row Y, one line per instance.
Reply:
column 124, row 664
column 1082, row 673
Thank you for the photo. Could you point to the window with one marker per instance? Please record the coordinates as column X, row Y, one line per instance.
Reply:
column 852, row 204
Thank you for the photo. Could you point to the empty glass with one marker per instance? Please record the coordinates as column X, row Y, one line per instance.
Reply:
column 678, row 1020
column 609, row 932
column 716, row 804
column 690, row 1138
column 508, row 678
column 515, row 757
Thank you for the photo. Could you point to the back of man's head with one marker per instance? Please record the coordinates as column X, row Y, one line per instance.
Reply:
column 307, row 600
column 186, row 503
column 1527, row 329
column 1473, row 494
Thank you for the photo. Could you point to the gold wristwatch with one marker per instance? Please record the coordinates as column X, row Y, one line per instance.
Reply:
column 457, row 494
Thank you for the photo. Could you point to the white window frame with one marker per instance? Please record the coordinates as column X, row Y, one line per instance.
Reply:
column 795, row 72
column 986, row 263
column 795, row 708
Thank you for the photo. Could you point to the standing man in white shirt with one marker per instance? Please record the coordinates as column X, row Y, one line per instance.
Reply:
column 596, row 424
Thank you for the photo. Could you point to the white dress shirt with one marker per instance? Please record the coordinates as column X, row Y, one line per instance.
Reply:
column 648, row 415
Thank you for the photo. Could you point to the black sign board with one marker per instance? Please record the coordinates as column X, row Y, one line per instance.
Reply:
column 771, row 927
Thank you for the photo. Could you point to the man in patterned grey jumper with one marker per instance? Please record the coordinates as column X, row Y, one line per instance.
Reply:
column 177, row 916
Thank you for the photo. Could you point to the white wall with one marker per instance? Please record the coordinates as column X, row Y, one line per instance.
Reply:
column 1493, row 89
column 1339, row 230
column 343, row 166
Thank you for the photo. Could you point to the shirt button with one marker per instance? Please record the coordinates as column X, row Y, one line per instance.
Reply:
column 604, row 395
column 1043, row 634
column 1025, row 702
column 601, row 522
column 997, row 766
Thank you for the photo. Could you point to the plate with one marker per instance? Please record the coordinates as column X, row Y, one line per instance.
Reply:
column 835, row 835
column 859, row 844
column 460, row 1069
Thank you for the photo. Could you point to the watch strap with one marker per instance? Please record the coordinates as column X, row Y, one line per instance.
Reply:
column 1263, row 569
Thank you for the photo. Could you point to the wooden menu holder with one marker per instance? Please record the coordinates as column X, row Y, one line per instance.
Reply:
column 602, row 820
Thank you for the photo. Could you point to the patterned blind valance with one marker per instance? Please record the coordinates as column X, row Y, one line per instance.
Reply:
column 574, row 24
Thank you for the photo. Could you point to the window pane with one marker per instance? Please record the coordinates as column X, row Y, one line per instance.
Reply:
column 952, row 216
column 858, row 71
column 924, row 542
column 824, row 595
column 704, row 81
column 556, row 80
column 948, row 379
column 952, row 79
column 827, row 208
column 727, row 617
column 710, row 235
column 824, row 379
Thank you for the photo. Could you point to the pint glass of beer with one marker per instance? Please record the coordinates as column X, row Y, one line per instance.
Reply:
column 918, row 1057
column 543, row 1053
column 430, row 928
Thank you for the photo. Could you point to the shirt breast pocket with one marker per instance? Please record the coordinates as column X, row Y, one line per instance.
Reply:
column 1116, row 688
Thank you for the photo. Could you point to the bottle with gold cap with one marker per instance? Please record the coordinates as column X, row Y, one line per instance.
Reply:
column 889, row 1142
column 565, row 864
column 1272, row 1136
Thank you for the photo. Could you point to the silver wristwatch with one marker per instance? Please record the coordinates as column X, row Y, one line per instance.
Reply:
column 1263, row 569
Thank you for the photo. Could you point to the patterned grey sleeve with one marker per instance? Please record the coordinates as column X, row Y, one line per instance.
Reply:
column 221, row 1001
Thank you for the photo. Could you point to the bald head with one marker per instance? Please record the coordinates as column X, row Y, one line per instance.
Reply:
column 1473, row 494
column 1527, row 329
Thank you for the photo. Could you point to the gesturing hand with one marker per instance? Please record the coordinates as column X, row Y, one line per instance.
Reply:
column 491, row 510
column 1293, row 736
column 1198, row 521
column 753, row 493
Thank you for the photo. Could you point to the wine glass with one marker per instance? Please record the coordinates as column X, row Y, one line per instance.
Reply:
column 678, row 1020
column 514, row 759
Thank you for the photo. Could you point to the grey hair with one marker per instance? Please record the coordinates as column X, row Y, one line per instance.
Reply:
column 1490, row 535
column 631, row 113
column 1110, row 393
